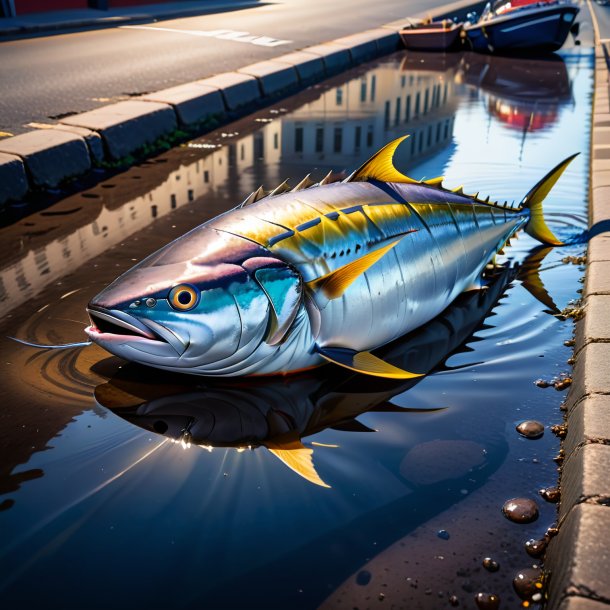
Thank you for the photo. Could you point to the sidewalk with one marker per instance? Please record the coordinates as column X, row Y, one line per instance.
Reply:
column 72, row 19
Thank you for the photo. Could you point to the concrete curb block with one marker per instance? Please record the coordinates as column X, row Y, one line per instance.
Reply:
column 192, row 103
column 13, row 181
column 273, row 77
column 309, row 67
column 578, row 559
column 127, row 126
column 49, row 155
column 237, row 90
column 336, row 58
column 580, row 555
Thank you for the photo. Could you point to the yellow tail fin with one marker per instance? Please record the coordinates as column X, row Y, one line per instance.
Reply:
column 536, row 226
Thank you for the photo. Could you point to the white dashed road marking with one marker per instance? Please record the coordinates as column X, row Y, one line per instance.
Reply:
column 261, row 41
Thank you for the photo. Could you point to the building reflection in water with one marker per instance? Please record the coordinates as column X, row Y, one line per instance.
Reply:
column 339, row 126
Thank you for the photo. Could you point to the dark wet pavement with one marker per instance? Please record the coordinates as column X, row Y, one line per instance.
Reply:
column 109, row 501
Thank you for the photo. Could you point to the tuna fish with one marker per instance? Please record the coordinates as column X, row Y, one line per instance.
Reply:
column 320, row 273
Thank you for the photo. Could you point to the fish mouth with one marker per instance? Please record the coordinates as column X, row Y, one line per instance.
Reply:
column 114, row 327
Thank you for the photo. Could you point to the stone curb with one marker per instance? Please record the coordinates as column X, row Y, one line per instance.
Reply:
column 578, row 558
column 112, row 133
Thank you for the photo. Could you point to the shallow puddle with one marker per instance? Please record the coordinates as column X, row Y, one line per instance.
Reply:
column 125, row 487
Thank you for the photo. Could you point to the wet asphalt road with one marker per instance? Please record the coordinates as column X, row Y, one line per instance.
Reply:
column 46, row 77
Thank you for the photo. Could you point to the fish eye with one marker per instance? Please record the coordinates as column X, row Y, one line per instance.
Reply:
column 183, row 297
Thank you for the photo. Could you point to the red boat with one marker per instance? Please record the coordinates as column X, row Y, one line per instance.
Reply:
column 433, row 36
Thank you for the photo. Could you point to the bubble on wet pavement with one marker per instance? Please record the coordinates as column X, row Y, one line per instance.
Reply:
column 363, row 578
column 535, row 548
column 528, row 583
column 487, row 601
column 520, row 510
column 491, row 565
column 454, row 601
column 530, row 429
column 443, row 534
column 550, row 494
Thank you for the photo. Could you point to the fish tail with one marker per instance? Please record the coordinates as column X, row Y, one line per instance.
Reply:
column 536, row 225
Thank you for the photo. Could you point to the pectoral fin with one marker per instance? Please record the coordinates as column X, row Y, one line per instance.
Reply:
column 289, row 449
column 364, row 362
column 335, row 283
column 282, row 285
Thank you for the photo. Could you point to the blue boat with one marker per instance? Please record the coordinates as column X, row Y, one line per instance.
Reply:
column 517, row 26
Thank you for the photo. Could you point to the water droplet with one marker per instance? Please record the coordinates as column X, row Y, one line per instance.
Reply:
column 520, row 510
column 527, row 583
column 487, row 601
column 454, row 601
column 381, row 597
column 363, row 578
column 491, row 565
column 550, row 494
column 530, row 429
column 535, row 548
column 443, row 534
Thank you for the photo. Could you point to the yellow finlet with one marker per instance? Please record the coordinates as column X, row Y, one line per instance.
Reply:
column 364, row 362
column 290, row 450
column 536, row 226
column 381, row 166
column 304, row 184
column 335, row 283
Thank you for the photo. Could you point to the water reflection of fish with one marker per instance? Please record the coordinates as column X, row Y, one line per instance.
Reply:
column 310, row 275
column 278, row 413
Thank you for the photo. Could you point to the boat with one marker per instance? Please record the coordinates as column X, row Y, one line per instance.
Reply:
column 517, row 26
column 432, row 35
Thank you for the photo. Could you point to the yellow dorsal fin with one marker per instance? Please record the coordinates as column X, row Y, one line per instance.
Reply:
column 335, row 283
column 290, row 450
column 438, row 181
column 364, row 362
column 381, row 166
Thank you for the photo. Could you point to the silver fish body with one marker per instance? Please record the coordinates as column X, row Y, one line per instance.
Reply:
column 295, row 279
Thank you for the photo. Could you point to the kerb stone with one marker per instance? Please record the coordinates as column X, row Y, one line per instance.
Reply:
column 50, row 155
column 590, row 373
column 193, row 102
column 237, row 89
column 127, row 126
column 584, row 478
column 595, row 326
column 589, row 422
column 336, row 58
column 386, row 41
column 274, row 77
column 13, row 181
column 578, row 558
column 310, row 68
column 361, row 47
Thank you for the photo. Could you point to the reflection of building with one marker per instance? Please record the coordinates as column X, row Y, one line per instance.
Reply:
column 354, row 120
column 338, row 129
column 28, row 276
